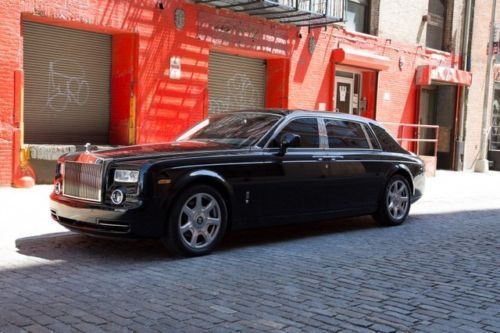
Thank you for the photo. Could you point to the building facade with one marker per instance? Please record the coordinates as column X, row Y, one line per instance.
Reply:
column 494, row 125
column 123, row 72
column 480, row 95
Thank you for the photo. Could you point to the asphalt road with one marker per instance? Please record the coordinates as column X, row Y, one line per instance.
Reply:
column 439, row 272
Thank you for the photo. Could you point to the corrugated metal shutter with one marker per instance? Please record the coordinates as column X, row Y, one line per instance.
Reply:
column 66, row 85
column 235, row 83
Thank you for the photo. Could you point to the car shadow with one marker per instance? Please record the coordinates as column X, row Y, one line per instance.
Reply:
column 69, row 246
column 291, row 232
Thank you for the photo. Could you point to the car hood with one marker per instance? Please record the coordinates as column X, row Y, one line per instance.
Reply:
column 160, row 149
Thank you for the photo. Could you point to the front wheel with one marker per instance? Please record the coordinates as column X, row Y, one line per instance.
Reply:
column 197, row 222
column 395, row 204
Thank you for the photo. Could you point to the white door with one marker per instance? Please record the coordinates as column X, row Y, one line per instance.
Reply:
column 343, row 94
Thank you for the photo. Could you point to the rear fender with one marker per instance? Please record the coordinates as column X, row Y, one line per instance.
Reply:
column 403, row 170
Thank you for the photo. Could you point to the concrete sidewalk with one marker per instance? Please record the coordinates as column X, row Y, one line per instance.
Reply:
column 25, row 213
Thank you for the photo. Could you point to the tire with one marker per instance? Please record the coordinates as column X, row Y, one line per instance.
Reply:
column 394, row 206
column 197, row 222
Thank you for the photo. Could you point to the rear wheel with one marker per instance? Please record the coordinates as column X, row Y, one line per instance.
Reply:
column 197, row 222
column 395, row 204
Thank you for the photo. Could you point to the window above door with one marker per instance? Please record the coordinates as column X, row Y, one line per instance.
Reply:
column 357, row 15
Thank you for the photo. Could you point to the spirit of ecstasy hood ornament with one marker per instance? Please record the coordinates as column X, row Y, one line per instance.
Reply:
column 87, row 148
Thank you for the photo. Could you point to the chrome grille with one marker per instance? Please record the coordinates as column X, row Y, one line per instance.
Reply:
column 82, row 180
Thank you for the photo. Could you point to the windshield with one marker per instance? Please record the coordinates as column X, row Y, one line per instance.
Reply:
column 239, row 129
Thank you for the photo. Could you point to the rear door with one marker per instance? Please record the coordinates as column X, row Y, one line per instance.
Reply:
column 355, row 173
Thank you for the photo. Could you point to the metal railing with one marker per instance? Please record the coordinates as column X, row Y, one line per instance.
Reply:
column 423, row 140
column 329, row 8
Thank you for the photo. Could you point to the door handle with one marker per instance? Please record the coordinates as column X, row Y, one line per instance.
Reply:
column 322, row 158
column 328, row 157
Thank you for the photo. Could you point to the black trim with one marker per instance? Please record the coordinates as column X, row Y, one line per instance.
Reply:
column 302, row 20
column 274, row 13
column 239, row 4
column 246, row 10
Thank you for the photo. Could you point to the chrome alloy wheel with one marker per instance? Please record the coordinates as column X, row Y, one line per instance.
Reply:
column 199, row 221
column 398, row 199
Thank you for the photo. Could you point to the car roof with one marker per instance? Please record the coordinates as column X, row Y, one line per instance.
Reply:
column 302, row 112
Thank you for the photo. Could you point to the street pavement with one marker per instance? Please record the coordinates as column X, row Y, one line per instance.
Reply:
column 438, row 272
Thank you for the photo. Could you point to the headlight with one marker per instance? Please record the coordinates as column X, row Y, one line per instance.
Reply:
column 58, row 187
column 126, row 176
column 59, row 169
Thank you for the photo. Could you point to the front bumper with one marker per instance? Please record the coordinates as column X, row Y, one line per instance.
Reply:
column 145, row 221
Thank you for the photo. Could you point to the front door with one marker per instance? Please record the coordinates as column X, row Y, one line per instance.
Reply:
column 293, row 184
column 343, row 94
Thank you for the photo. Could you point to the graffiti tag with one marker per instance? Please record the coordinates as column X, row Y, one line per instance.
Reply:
column 67, row 84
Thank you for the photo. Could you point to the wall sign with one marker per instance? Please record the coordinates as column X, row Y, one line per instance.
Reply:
column 342, row 93
column 496, row 71
column 175, row 68
column 312, row 44
column 428, row 73
column 180, row 18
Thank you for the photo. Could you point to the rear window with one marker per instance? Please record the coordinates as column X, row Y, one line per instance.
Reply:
column 345, row 134
column 386, row 140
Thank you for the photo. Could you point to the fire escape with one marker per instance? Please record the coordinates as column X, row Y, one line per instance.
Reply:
column 301, row 13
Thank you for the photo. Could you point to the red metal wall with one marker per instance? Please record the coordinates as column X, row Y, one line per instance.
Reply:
column 147, row 37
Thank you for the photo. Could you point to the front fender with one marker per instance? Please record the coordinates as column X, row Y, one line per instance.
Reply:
column 200, row 176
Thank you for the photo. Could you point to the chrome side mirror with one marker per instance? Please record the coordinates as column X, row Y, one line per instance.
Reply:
column 288, row 140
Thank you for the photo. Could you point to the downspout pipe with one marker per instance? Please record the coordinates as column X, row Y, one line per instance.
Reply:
column 460, row 143
column 482, row 164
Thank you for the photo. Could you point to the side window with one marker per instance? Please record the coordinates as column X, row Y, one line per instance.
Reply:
column 307, row 128
column 345, row 134
column 386, row 140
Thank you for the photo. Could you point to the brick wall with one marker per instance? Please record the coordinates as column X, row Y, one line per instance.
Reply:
column 10, row 53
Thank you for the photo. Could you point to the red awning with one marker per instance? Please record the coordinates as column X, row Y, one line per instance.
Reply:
column 358, row 58
column 428, row 73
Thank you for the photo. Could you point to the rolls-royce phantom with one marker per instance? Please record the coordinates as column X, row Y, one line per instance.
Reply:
column 238, row 170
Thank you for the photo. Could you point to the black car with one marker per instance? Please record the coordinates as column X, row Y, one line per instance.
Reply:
column 238, row 170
